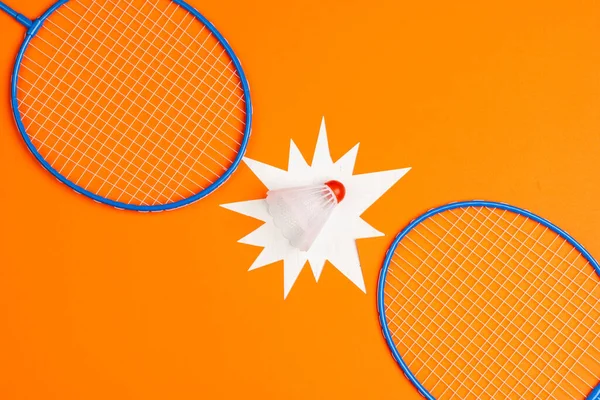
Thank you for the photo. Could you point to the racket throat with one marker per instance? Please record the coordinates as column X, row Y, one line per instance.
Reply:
column 23, row 20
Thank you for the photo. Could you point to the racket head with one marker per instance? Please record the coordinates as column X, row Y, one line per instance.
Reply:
column 229, row 164
column 427, row 380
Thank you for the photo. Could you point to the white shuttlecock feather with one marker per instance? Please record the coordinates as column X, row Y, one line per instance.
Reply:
column 302, row 212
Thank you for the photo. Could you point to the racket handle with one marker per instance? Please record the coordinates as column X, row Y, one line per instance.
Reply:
column 23, row 20
column 595, row 394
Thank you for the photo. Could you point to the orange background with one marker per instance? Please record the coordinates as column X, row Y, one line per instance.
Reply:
column 485, row 100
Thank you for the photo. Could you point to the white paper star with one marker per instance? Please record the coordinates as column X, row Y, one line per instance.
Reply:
column 337, row 241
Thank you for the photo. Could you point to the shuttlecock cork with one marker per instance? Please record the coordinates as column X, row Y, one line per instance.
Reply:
column 302, row 212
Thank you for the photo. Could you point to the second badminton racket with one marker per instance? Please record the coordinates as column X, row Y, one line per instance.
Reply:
column 482, row 300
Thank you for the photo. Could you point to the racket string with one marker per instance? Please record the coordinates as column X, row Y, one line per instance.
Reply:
column 79, row 128
column 555, row 254
column 218, row 59
column 466, row 258
column 42, row 144
column 136, row 118
column 565, row 260
column 219, row 128
column 168, row 56
column 465, row 348
column 49, row 96
column 512, row 307
column 211, row 122
column 191, row 61
column 407, row 301
column 149, row 173
column 93, row 38
column 435, row 247
column 140, row 95
column 433, row 352
column 162, row 101
column 45, row 68
column 103, row 144
column 513, row 254
column 429, row 253
column 103, row 96
column 473, row 355
column 105, row 180
column 78, row 162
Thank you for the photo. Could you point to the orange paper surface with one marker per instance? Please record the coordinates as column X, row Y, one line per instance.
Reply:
column 482, row 100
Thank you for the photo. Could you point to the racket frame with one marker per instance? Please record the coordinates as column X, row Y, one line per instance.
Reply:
column 595, row 392
column 33, row 27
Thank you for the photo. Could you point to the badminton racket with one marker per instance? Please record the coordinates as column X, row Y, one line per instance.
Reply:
column 481, row 300
column 141, row 105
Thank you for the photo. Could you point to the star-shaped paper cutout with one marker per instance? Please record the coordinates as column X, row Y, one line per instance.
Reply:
column 336, row 242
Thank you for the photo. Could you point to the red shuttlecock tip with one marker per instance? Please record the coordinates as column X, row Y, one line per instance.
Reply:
column 338, row 189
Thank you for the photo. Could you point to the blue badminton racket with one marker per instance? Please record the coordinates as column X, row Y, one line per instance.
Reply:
column 141, row 105
column 481, row 300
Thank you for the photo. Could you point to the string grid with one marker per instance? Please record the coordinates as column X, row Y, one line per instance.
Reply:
column 134, row 101
column 485, row 303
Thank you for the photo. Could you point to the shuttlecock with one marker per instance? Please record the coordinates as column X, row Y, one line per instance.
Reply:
column 301, row 212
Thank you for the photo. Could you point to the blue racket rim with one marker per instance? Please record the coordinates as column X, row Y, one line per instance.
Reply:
column 31, row 32
column 451, row 206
